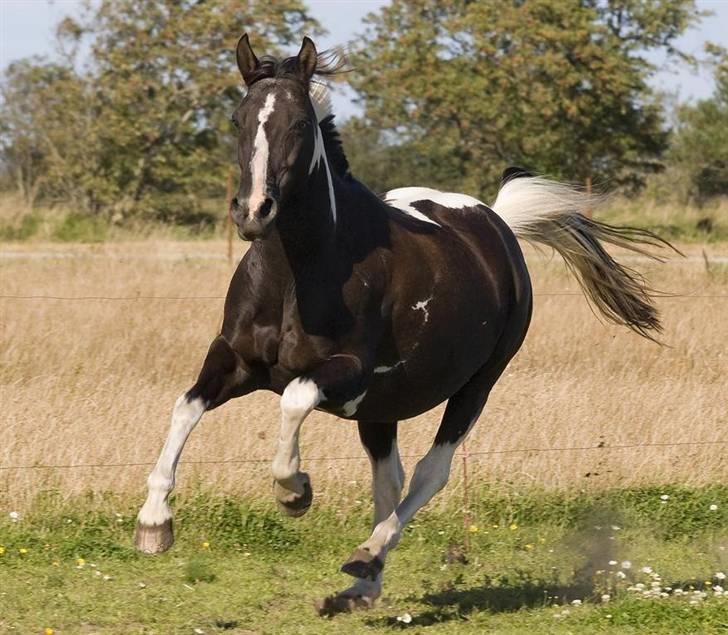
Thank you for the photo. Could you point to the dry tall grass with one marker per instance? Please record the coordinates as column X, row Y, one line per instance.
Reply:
column 93, row 381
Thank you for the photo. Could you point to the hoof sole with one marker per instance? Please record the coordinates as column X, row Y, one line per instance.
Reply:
column 298, row 505
column 362, row 564
column 154, row 538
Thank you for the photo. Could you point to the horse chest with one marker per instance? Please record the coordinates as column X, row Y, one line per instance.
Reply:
column 299, row 350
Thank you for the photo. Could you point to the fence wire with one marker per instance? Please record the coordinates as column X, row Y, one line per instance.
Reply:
column 222, row 297
column 334, row 459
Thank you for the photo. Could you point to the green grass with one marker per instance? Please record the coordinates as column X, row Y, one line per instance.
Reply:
column 239, row 567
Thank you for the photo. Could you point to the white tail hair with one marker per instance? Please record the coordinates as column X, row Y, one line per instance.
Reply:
column 554, row 214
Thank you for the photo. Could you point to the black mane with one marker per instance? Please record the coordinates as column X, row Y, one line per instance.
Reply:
column 338, row 163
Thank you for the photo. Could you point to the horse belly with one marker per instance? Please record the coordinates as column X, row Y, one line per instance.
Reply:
column 428, row 369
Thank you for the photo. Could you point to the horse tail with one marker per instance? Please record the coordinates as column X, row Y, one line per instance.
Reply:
column 553, row 214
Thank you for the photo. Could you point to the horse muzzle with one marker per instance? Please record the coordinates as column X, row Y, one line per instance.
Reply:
column 253, row 224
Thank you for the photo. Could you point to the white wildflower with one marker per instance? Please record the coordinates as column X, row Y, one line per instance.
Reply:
column 606, row 597
column 14, row 516
column 719, row 575
column 576, row 602
column 713, row 508
column 646, row 569
column 612, row 563
column 664, row 497
column 626, row 564
column 405, row 618
column 621, row 575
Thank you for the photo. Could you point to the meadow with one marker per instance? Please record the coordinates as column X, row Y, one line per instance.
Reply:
column 588, row 428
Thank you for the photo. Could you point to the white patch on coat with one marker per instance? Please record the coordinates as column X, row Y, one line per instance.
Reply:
column 350, row 407
column 299, row 398
column 185, row 416
column 259, row 160
column 422, row 306
column 380, row 370
column 403, row 198
column 319, row 154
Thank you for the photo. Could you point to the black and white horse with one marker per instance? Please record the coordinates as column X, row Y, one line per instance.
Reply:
column 373, row 309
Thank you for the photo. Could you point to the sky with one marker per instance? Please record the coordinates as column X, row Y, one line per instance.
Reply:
column 26, row 28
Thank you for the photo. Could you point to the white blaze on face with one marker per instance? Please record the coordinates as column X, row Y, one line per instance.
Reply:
column 259, row 160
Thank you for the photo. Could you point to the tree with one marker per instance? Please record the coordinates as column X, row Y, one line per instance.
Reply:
column 159, row 87
column 559, row 86
column 699, row 147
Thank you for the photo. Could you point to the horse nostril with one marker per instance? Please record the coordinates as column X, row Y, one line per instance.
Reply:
column 234, row 202
column 266, row 207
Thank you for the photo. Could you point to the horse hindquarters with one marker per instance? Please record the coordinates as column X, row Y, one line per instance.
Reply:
column 432, row 471
column 222, row 377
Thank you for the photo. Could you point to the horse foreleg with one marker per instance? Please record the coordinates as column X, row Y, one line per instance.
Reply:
column 380, row 442
column 339, row 375
column 222, row 377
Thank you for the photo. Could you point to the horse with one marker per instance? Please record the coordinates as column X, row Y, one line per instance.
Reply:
column 374, row 308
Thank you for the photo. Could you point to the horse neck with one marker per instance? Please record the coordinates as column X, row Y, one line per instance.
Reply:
column 306, row 227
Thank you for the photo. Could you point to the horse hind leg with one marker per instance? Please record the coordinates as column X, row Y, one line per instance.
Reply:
column 430, row 476
column 222, row 377
column 380, row 442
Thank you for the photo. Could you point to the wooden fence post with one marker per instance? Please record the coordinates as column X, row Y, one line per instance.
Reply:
column 589, row 211
column 466, row 499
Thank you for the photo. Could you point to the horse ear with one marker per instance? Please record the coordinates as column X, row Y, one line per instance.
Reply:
column 307, row 58
column 247, row 62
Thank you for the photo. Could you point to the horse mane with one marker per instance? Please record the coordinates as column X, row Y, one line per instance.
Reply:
column 338, row 162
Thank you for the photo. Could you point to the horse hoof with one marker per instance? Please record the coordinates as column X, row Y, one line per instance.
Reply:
column 342, row 603
column 362, row 564
column 291, row 504
column 154, row 538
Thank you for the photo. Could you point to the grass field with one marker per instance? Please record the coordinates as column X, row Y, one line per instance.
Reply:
column 92, row 381
column 648, row 560
column 588, row 428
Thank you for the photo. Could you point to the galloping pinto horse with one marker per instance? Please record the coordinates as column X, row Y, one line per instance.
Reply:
column 375, row 309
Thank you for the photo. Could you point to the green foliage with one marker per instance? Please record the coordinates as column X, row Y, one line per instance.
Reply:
column 80, row 228
column 144, row 128
column 556, row 86
column 700, row 145
column 27, row 228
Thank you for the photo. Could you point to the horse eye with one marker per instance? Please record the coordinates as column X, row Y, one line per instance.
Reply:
column 301, row 124
column 234, row 121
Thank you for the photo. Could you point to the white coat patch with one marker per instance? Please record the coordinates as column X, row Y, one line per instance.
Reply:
column 422, row 306
column 380, row 370
column 403, row 198
column 350, row 407
column 319, row 154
